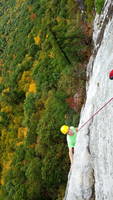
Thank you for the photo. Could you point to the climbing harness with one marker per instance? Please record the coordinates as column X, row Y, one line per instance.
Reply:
column 95, row 113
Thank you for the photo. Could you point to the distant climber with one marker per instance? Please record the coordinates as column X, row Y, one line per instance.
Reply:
column 111, row 75
column 71, row 138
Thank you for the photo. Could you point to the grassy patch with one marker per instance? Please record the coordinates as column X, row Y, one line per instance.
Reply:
column 99, row 5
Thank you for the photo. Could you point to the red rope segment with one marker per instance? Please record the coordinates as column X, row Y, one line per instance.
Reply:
column 95, row 114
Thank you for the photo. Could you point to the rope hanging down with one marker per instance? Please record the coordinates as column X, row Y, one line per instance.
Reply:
column 95, row 114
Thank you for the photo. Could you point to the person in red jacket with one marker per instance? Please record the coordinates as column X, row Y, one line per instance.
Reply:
column 111, row 75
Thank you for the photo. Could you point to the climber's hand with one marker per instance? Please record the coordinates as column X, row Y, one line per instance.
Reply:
column 76, row 129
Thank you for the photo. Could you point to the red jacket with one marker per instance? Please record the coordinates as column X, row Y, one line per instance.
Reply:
column 111, row 75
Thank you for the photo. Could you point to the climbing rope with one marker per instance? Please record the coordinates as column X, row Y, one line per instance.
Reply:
column 95, row 114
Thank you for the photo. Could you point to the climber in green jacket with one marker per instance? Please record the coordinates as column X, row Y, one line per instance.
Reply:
column 71, row 138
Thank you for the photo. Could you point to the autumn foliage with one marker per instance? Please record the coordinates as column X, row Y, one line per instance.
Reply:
column 44, row 49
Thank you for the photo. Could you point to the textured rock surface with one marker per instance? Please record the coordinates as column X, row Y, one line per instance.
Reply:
column 91, row 175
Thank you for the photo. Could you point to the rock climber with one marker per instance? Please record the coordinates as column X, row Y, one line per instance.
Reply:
column 71, row 138
column 111, row 75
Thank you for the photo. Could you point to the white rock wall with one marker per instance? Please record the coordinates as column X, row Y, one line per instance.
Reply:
column 91, row 175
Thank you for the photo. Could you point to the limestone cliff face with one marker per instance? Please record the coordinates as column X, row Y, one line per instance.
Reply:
column 91, row 175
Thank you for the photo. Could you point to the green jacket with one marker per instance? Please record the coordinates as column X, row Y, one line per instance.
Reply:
column 71, row 140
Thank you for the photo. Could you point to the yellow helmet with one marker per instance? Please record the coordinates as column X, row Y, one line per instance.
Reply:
column 64, row 129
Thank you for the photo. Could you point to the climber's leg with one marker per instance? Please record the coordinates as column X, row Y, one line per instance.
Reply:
column 73, row 150
column 71, row 154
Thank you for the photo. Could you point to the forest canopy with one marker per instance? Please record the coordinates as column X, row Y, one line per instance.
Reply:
column 44, row 50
